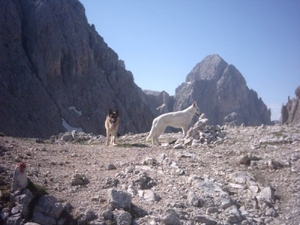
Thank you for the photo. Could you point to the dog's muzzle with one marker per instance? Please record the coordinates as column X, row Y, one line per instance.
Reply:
column 113, row 120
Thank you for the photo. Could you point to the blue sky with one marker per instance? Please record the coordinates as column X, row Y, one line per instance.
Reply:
column 162, row 40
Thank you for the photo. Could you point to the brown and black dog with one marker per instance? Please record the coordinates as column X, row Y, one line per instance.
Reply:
column 112, row 125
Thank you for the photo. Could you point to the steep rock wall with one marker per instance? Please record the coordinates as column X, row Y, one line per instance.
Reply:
column 57, row 72
column 290, row 112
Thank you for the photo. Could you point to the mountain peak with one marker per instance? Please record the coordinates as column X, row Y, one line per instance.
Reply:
column 210, row 68
column 221, row 92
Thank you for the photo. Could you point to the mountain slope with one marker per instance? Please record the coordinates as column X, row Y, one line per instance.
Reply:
column 222, row 94
column 57, row 72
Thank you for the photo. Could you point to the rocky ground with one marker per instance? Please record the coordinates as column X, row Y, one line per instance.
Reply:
column 249, row 176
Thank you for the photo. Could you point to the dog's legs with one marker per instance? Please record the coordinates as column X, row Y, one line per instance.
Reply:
column 159, row 131
column 156, row 139
column 184, row 131
column 150, row 136
column 153, row 141
column 113, row 140
column 107, row 138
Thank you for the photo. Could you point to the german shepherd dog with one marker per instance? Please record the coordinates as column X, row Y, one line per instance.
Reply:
column 111, row 125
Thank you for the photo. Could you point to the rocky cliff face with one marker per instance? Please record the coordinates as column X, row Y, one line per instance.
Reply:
column 222, row 94
column 57, row 73
column 159, row 102
column 290, row 112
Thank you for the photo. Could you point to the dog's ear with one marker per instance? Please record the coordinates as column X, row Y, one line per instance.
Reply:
column 195, row 104
column 110, row 111
column 117, row 111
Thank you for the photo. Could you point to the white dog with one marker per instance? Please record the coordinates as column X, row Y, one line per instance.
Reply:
column 179, row 119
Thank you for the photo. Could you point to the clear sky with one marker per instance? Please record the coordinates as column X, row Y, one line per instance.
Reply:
column 162, row 40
